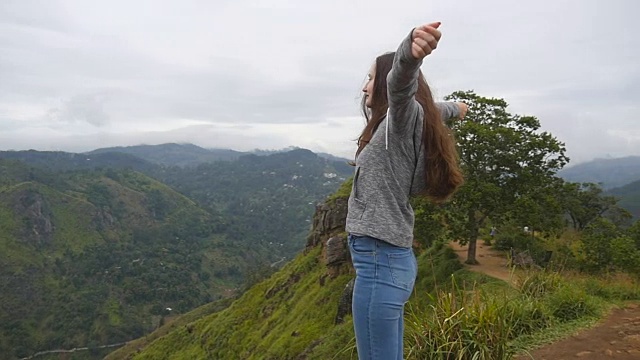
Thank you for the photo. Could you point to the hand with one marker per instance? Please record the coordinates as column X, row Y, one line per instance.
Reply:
column 425, row 40
column 463, row 109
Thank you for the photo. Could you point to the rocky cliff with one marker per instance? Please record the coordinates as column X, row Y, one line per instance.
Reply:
column 300, row 312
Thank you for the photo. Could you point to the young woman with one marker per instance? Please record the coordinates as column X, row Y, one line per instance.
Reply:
column 404, row 150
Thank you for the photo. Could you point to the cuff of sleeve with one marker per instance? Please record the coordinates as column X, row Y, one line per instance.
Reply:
column 404, row 51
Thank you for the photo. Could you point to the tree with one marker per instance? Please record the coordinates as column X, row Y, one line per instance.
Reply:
column 634, row 233
column 504, row 158
column 430, row 224
column 585, row 202
column 596, row 243
column 605, row 246
column 541, row 210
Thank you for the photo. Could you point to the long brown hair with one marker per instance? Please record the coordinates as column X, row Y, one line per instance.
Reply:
column 442, row 172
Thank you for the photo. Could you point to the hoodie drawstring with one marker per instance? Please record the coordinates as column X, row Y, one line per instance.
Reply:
column 386, row 132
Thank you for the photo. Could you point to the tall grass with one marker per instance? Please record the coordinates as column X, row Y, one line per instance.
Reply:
column 481, row 323
column 537, row 284
column 460, row 324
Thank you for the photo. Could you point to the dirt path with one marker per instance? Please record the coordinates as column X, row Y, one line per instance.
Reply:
column 492, row 262
column 616, row 337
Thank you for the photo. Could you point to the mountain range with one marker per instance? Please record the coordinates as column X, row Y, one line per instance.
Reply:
column 99, row 248
column 105, row 246
column 610, row 173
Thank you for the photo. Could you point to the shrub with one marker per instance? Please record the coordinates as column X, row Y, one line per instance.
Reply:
column 571, row 302
column 537, row 283
column 611, row 287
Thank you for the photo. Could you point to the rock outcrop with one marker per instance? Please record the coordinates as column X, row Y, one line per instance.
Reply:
column 329, row 219
column 37, row 226
column 328, row 231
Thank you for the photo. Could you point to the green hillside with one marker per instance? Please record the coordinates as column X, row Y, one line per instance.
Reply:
column 98, row 257
column 629, row 196
column 267, row 200
column 64, row 161
column 294, row 314
column 303, row 310
column 173, row 154
column 610, row 173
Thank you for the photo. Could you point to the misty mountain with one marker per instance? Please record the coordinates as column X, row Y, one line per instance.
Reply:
column 610, row 172
column 65, row 161
column 184, row 155
column 629, row 197
column 174, row 154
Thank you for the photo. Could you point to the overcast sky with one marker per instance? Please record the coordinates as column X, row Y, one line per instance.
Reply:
column 246, row 74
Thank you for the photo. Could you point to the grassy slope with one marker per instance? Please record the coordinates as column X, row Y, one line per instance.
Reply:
column 276, row 319
column 39, row 296
column 290, row 315
column 287, row 315
column 72, row 218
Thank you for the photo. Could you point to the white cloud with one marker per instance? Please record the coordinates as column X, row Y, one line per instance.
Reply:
column 77, row 74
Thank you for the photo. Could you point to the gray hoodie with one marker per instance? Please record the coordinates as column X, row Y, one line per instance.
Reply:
column 390, row 169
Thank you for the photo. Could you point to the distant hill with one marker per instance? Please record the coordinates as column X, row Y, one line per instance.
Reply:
column 266, row 199
column 64, row 161
column 290, row 148
column 269, row 198
column 333, row 157
column 610, row 172
column 98, row 257
column 174, row 154
column 93, row 252
column 629, row 197
column 184, row 155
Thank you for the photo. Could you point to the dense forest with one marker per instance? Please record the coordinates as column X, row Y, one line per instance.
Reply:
column 102, row 254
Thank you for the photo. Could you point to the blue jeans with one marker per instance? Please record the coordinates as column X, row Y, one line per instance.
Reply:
column 385, row 276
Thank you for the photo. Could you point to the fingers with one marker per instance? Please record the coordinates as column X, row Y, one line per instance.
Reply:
column 417, row 51
column 463, row 109
column 435, row 25
column 425, row 39
column 433, row 31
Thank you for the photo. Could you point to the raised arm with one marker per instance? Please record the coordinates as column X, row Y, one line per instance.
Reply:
column 402, row 81
column 450, row 110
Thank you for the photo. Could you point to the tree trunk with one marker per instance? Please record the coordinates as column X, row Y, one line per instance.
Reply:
column 471, row 253
column 473, row 237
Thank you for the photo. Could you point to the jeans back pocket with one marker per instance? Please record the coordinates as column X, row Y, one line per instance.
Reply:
column 403, row 268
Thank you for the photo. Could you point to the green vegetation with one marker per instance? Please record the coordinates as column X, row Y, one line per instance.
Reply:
column 343, row 191
column 629, row 196
column 507, row 162
column 95, row 257
column 171, row 324
column 572, row 231
column 452, row 311
column 469, row 317
column 268, row 201
column 95, row 253
column 173, row 154
column 278, row 318
column 262, row 201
